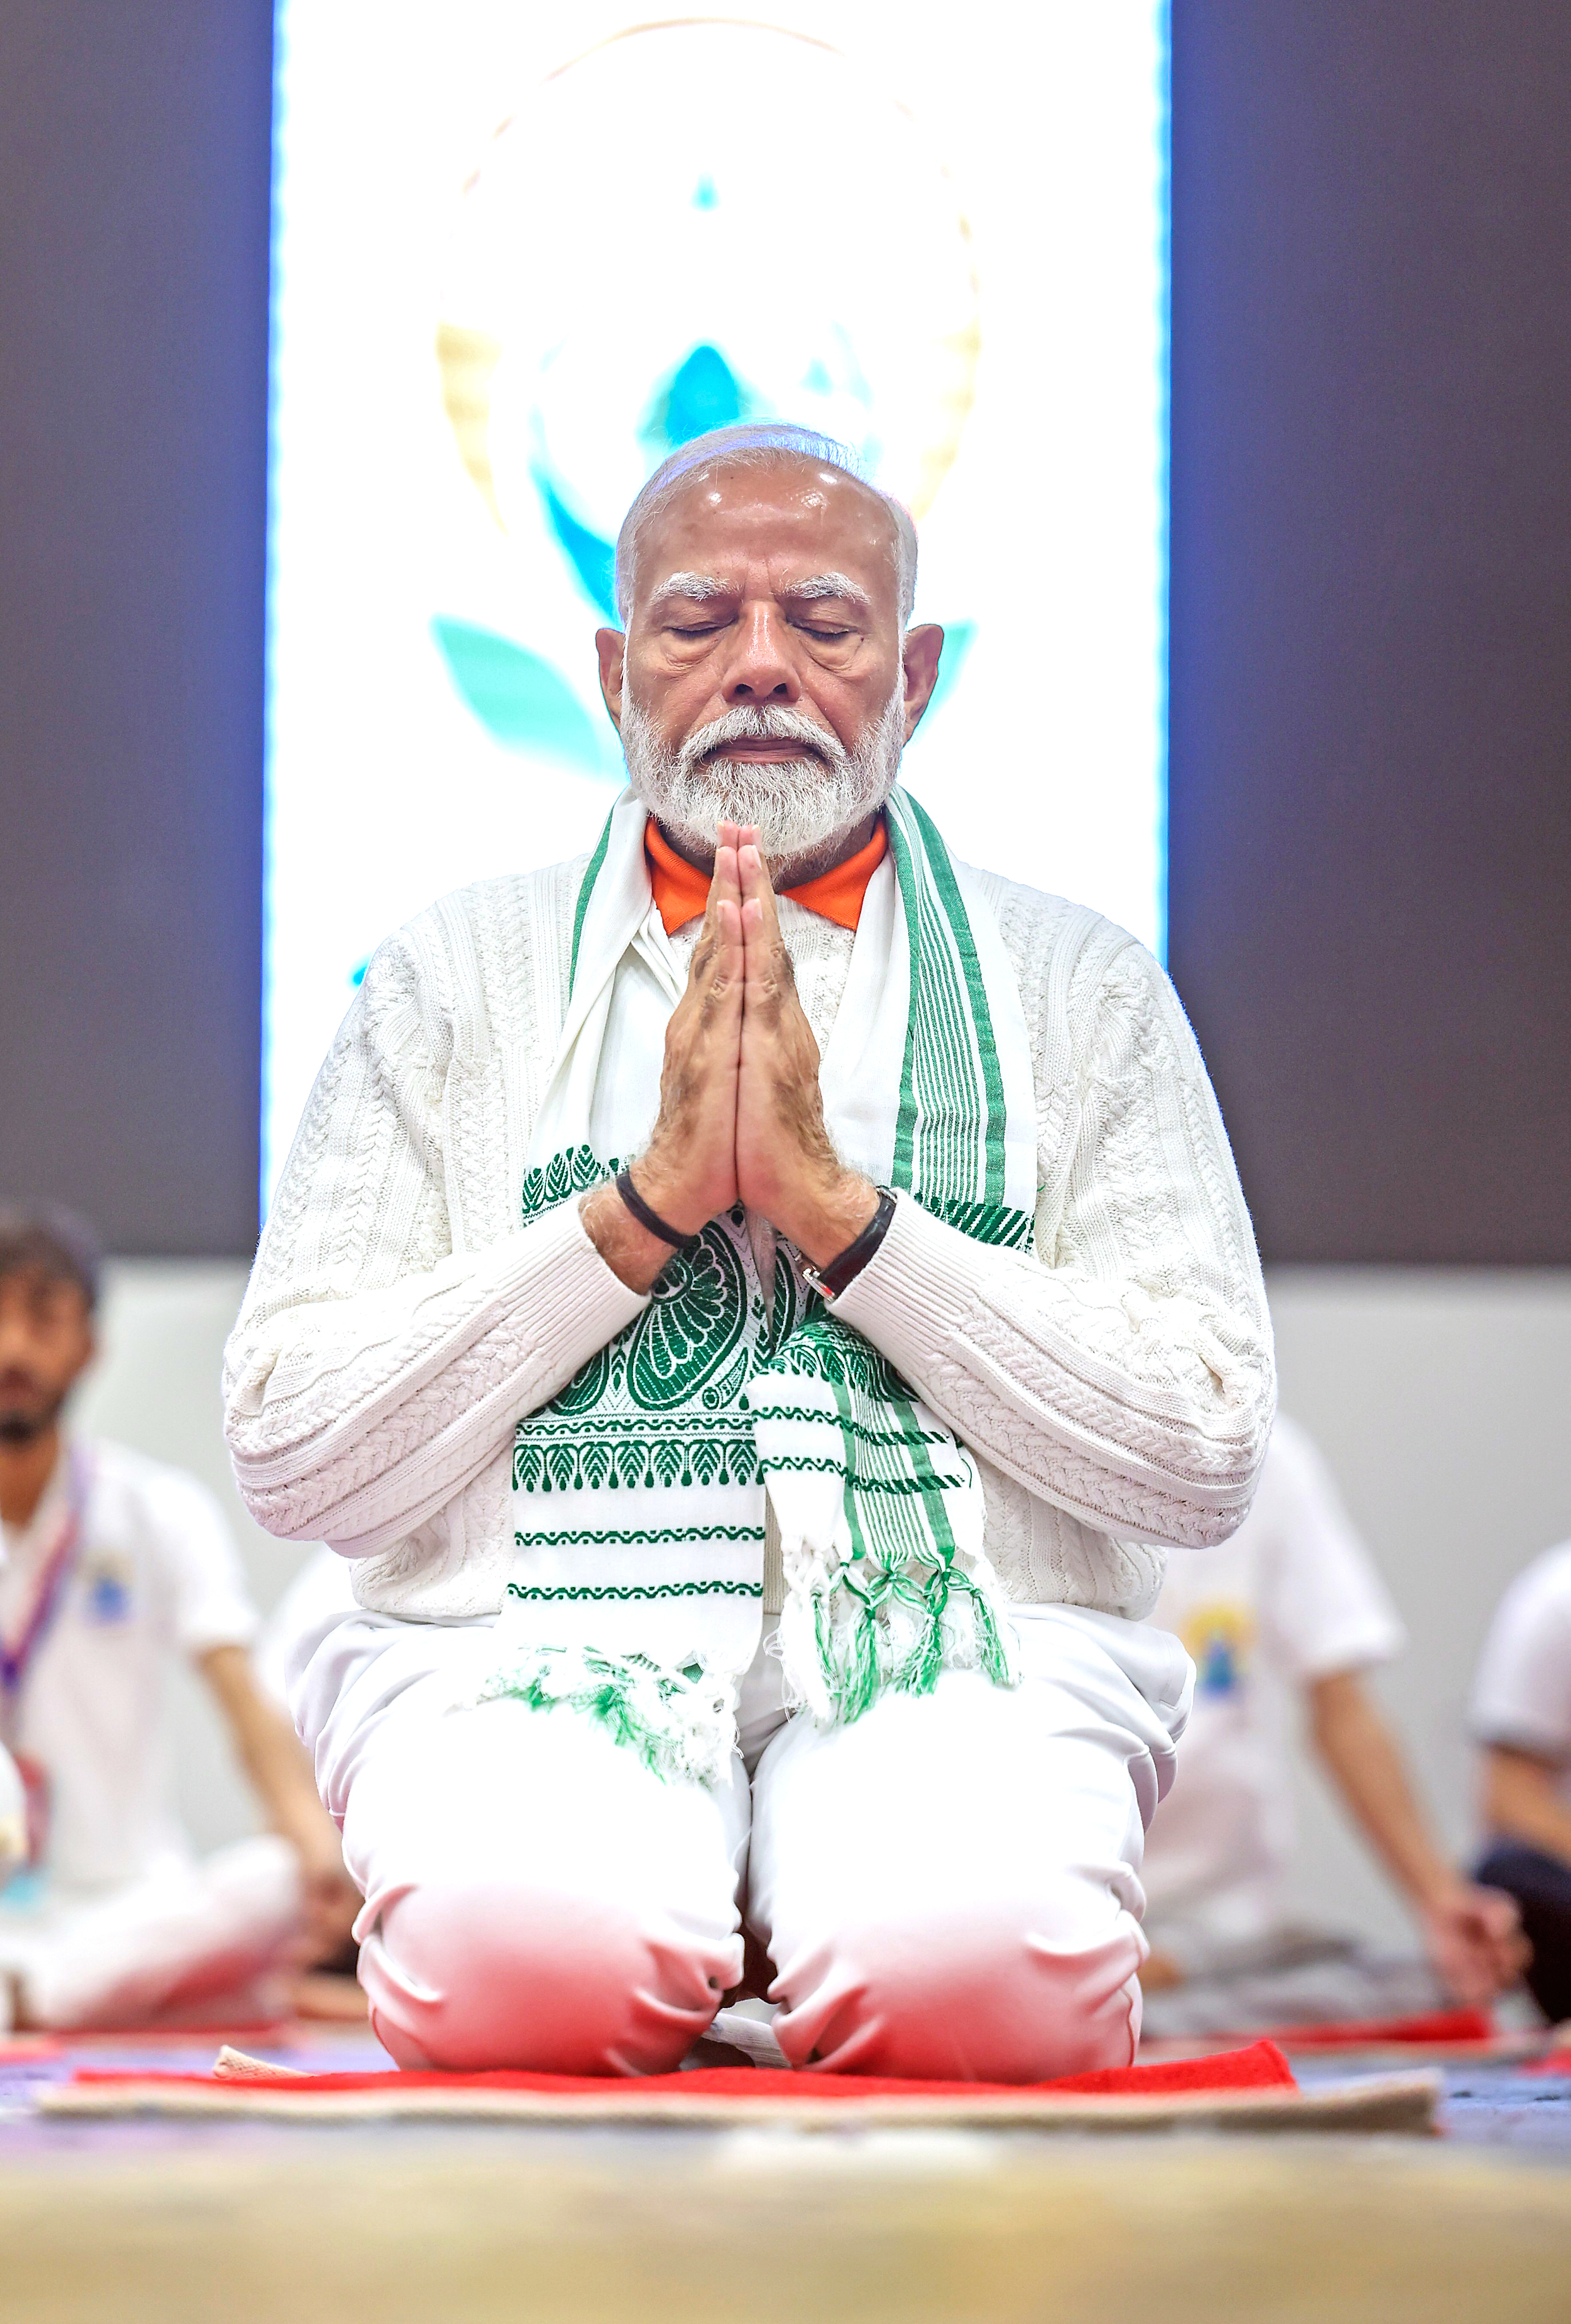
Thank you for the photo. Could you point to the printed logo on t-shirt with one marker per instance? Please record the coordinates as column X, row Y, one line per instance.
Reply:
column 1220, row 1638
column 106, row 1590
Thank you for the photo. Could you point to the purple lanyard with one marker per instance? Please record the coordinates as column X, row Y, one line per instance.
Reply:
column 15, row 1660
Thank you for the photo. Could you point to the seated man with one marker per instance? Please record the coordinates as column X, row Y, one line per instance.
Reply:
column 748, row 1301
column 110, row 1565
column 1521, row 1715
column 1293, row 1605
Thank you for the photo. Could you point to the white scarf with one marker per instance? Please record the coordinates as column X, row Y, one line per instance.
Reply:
column 638, row 1492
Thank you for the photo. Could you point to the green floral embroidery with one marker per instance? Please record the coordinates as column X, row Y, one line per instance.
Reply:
column 623, row 1451
column 677, row 1721
column 723, row 1395
column 690, row 1329
column 564, row 1176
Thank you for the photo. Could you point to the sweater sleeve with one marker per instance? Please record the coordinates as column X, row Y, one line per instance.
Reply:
column 1125, row 1372
column 373, row 1370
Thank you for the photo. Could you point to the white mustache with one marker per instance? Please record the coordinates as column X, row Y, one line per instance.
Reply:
column 763, row 722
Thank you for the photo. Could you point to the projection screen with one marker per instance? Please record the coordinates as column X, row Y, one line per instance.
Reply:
column 521, row 254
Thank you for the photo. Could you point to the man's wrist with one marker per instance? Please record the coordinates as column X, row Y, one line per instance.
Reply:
column 829, row 1216
column 627, row 1187
column 840, row 1273
column 634, row 1256
column 1437, row 1890
column 668, row 1193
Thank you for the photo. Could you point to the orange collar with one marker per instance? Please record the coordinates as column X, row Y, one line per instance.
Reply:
column 682, row 890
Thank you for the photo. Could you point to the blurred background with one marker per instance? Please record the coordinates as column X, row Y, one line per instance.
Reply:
column 1243, row 464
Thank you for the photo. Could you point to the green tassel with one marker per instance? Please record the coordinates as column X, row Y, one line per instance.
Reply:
column 992, row 1655
column 849, row 1666
column 919, row 1672
column 607, row 1698
column 855, row 1655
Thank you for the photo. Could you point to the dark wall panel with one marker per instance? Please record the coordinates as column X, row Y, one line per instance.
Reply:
column 1371, row 806
column 134, row 253
column 1370, row 774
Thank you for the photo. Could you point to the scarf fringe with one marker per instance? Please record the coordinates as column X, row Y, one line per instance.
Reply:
column 843, row 1646
column 681, row 1723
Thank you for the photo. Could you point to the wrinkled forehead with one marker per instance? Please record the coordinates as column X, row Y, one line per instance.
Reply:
column 787, row 519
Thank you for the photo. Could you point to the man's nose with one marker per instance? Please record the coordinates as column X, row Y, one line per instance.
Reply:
column 761, row 668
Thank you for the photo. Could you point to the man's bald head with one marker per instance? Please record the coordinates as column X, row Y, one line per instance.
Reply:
column 758, row 444
column 768, row 673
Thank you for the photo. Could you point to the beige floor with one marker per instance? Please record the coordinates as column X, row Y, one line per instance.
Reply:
column 760, row 2227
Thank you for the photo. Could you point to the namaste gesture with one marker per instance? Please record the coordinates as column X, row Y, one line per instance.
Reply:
column 741, row 1118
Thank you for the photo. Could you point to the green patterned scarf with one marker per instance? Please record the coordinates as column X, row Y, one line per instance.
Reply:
column 638, row 1492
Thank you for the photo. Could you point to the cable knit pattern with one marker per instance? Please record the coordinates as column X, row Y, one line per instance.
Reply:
column 1116, row 1389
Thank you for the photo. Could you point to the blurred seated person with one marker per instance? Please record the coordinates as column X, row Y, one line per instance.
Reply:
column 1292, row 1606
column 13, row 1816
column 1521, row 1715
column 111, row 1564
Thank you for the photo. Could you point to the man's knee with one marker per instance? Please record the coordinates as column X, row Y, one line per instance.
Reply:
column 536, row 1898
column 475, row 1973
column 1014, row 1988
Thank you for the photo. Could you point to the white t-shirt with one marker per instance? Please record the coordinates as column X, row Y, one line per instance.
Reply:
column 1293, row 1596
column 155, row 1574
column 321, row 1594
column 1521, row 1696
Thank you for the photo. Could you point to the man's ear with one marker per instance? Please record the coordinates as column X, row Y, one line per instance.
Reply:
column 918, row 656
column 612, row 647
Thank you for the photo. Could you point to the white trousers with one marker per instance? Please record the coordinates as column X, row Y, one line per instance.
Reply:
column 193, row 1941
column 947, row 1888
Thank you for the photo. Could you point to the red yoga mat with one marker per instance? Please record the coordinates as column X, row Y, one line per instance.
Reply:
column 1260, row 2066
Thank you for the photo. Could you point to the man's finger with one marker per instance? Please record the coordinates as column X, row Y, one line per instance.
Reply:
column 724, row 888
column 725, row 880
column 731, row 958
column 760, row 920
column 768, row 983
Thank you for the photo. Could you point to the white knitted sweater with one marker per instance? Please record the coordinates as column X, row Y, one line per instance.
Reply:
column 1117, row 1387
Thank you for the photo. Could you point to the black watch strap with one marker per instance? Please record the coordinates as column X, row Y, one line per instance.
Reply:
column 830, row 1281
column 650, row 1219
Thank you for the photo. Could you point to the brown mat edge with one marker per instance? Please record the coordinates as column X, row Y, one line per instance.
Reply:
column 1406, row 2102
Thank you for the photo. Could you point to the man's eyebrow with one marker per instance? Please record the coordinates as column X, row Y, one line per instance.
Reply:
column 699, row 587
column 827, row 585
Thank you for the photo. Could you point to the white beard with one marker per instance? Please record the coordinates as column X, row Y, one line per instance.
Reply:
column 801, row 805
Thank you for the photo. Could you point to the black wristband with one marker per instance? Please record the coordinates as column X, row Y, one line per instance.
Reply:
column 650, row 1219
column 830, row 1281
